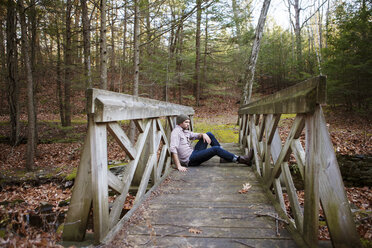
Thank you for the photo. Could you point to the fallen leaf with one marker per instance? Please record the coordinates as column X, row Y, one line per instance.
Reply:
column 195, row 231
column 245, row 188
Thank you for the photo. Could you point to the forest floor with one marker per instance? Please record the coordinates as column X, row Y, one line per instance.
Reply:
column 33, row 203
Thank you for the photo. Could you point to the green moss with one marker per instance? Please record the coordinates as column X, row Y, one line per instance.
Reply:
column 2, row 233
column 72, row 175
column 287, row 116
column 366, row 243
column 225, row 133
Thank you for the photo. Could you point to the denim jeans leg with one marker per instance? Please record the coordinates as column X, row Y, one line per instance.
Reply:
column 199, row 156
column 201, row 145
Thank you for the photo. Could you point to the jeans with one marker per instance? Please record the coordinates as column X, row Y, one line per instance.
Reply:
column 202, row 154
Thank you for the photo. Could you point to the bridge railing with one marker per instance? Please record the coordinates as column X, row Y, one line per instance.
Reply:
column 150, row 159
column 308, row 145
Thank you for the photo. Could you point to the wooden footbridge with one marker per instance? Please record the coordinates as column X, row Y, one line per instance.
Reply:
column 203, row 207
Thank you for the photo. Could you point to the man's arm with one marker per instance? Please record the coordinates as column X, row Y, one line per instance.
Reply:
column 178, row 163
column 205, row 137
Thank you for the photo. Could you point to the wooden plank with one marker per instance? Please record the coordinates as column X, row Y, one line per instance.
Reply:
column 119, row 202
column 262, row 128
column 169, row 241
column 214, row 206
column 161, row 162
column 146, row 151
column 108, row 106
column 331, row 189
column 293, row 199
column 256, row 151
column 99, row 181
column 145, row 178
column 81, row 199
column 114, row 182
column 119, row 135
column 300, row 98
column 311, row 206
column 297, row 127
column 279, row 194
column 139, row 125
column 273, row 127
column 299, row 154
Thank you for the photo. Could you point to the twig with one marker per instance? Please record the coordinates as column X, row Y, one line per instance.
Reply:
column 277, row 226
column 241, row 242
column 272, row 216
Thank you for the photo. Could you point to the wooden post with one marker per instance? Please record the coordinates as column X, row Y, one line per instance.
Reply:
column 100, row 181
column 311, row 208
column 81, row 200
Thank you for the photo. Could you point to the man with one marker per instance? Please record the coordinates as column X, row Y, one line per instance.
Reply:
column 184, row 155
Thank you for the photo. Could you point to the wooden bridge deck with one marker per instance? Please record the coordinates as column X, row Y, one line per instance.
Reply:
column 206, row 199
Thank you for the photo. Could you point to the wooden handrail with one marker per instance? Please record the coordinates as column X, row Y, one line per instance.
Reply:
column 150, row 158
column 316, row 161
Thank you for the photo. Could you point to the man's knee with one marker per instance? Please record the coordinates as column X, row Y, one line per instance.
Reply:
column 210, row 134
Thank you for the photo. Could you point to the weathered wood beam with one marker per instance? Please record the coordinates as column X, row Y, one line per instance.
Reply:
column 331, row 189
column 122, row 139
column 300, row 98
column 118, row 204
column 100, row 182
column 81, row 199
column 108, row 106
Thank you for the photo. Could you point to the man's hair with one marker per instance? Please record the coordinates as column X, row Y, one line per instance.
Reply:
column 181, row 118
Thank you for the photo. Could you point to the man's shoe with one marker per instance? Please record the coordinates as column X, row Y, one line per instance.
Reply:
column 246, row 159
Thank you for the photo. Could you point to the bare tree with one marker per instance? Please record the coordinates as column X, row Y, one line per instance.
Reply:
column 103, row 46
column 250, row 70
column 12, row 76
column 30, row 89
column 68, row 65
column 136, row 58
column 86, row 42
column 197, row 51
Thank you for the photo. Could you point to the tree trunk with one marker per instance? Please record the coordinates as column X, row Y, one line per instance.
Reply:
column 298, row 36
column 197, row 52
column 136, row 61
column 237, row 23
column 103, row 46
column 59, row 81
column 68, row 65
column 2, row 65
column 86, row 41
column 123, row 65
column 30, row 90
column 205, row 50
column 113, row 59
column 34, row 45
column 13, row 83
column 249, row 73
column 179, row 61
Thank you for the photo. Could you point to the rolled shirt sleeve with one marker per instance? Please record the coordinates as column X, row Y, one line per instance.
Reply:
column 180, row 143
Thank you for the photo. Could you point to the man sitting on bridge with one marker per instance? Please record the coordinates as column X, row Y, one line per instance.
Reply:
column 184, row 155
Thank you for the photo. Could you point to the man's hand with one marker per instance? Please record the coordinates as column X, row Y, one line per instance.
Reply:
column 206, row 138
column 181, row 168
column 177, row 162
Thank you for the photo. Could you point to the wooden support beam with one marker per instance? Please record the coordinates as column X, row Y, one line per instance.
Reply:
column 297, row 127
column 124, row 142
column 293, row 199
column 119, row 202
column 81, row 199
column 331, row 189
column 100, row 182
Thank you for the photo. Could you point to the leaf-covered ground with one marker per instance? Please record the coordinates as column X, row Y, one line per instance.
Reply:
column 32, row 204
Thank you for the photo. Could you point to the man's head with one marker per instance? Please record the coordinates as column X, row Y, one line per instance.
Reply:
column 183, row 121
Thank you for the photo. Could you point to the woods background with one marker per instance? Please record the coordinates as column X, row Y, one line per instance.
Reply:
column 174, row 50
